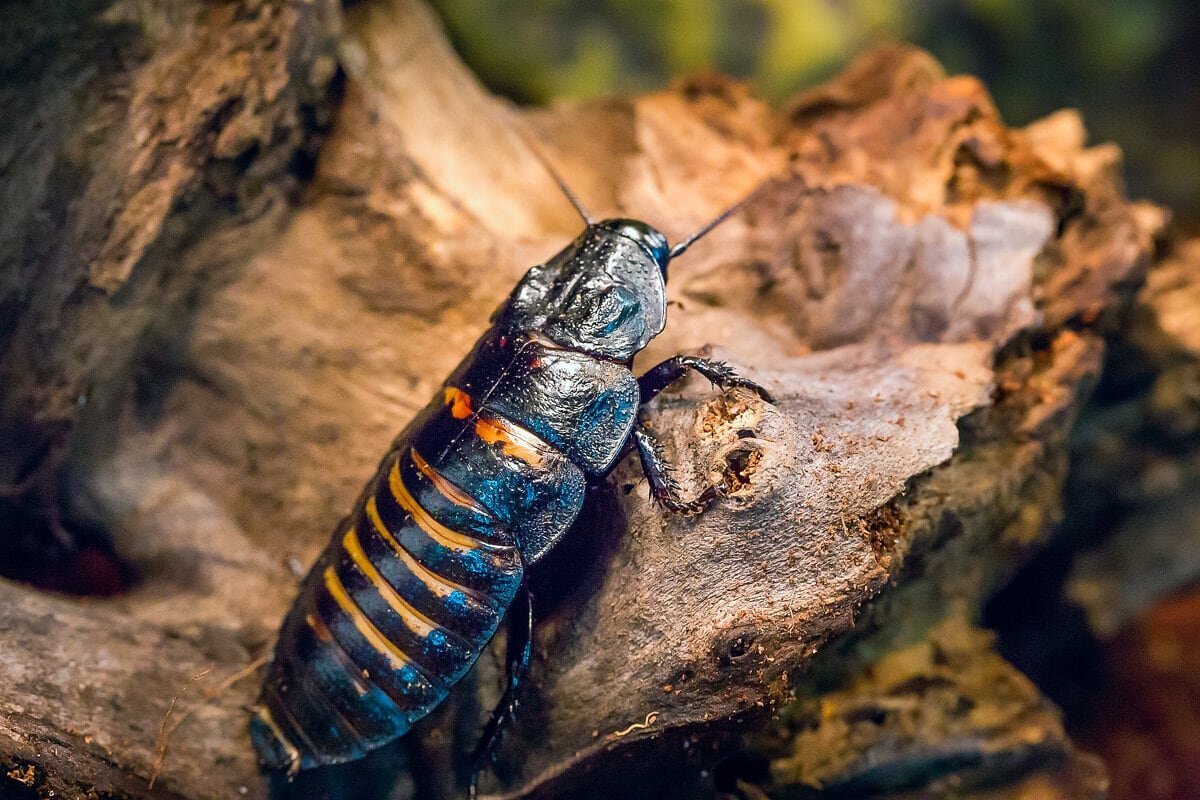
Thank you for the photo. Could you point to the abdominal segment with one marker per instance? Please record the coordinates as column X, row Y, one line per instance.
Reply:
column 413, row 585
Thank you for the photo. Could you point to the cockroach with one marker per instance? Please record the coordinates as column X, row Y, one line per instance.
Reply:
column 417, row 579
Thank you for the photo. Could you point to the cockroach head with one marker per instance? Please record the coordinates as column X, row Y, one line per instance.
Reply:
column 604, row 294
column 645, row 235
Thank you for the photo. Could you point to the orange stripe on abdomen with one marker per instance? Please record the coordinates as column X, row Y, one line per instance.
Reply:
column 459, row 402
column 515, row 440
column 417, row 622
column 437, row 531
column 442, row 587
column 447, row 488
column 337, row 590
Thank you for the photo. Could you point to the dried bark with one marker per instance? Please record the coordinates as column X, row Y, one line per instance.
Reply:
column 925, row 289
column 940, row 715
column 1143, row 456
column 154, row 135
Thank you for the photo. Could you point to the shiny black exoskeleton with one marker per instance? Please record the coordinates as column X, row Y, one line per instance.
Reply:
column 479, row 486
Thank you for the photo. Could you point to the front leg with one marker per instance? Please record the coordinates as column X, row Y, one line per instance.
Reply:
column 663, row 487
column 721, row 374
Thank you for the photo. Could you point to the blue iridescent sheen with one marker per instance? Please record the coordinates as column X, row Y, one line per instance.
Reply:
column 529, row 497
column 578, row 404
column 483, row 483
column 490, row 572
column 647, row 236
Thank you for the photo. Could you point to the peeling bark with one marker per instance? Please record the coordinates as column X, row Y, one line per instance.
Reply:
column 924, row 289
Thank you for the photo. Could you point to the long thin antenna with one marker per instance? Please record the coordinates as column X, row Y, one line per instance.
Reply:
column 679, row 248
column 536, row 148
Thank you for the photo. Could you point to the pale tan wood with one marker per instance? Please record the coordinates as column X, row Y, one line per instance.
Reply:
column 924, row 288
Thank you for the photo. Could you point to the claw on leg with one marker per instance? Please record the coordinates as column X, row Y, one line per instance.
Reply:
column 663, row 487
column 662, row 375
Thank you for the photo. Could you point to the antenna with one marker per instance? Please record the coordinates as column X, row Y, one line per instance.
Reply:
column 536, row 148
column 681, row 247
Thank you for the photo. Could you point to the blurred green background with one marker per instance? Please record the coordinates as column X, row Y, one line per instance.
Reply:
column 1131, row 66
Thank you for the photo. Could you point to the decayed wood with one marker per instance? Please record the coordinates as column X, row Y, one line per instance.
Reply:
column 1144, row 463
column 933, row 716
column 918, row 730
column 918, row 278
column 146, row 133
column 147, row 146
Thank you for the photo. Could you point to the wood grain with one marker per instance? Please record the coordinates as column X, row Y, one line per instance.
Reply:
column 925, row 289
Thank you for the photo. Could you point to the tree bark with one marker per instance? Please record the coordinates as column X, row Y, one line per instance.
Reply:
column 926, row 290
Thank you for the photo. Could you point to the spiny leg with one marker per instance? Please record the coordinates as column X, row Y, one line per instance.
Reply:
column 663, row 487
column 662, row 375
column 519, row 649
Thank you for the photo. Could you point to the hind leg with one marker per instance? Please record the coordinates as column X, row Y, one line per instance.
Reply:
column 519, row 650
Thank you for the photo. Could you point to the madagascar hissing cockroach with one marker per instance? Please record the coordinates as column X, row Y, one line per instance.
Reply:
column 417, row 579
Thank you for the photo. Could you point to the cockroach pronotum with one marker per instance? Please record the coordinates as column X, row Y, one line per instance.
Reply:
column 417, row 579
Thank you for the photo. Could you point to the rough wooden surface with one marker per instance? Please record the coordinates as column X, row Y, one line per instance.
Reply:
column 918, row 280
column 1144, row 458
column 938, row 715
column 150, row 131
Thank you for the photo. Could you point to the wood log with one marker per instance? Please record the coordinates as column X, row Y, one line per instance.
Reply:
column 938, row 714
column 925, row 290
column 1140, row 486
column 153, row 130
